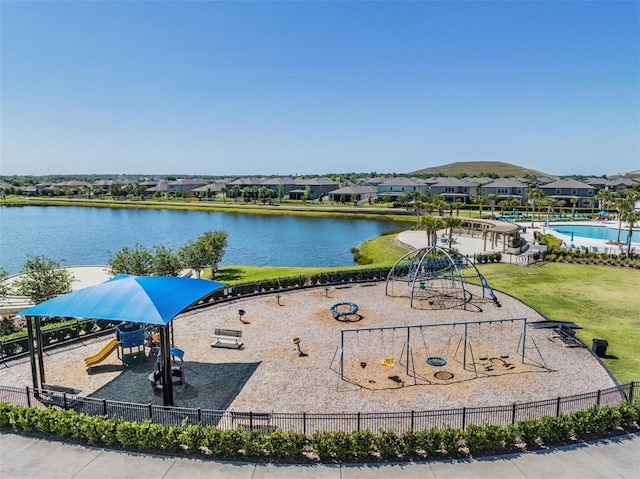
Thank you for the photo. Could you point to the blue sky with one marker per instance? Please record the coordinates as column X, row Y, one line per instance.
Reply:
column 284, row 88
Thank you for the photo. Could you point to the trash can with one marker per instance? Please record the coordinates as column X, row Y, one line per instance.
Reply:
column 599, row 346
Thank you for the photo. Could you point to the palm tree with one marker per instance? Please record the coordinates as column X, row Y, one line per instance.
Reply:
column 480, row 201
column 626, row 206
column 457, row 204
column 534, row 195
column 492, row 199
column 574, row 201
column 623, row 205
column 630, row 217
column 235, row 192
column 451, row 222
column 223, row 190
column 432, row 224
column 604, row 198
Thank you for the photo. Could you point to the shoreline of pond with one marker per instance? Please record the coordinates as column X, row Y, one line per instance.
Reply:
column 331, row 211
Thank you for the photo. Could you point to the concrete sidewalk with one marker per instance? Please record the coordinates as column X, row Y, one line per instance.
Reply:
column 26, row 457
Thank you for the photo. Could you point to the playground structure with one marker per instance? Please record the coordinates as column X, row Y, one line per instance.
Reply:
column 346, row 312
column 468, row 350
column 177, row 369
column 129, row 343
column 434, row 278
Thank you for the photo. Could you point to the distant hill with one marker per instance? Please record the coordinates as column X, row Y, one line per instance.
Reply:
column 480, row 168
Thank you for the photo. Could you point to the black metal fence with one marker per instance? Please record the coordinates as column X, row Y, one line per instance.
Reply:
column 53, row 337
column 308, row 423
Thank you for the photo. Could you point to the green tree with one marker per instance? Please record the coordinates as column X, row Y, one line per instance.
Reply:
column 223, row 190
column 627, row 208
column 479, row 200
column 235, row 192
column 631, row 218
column 534, row 195
column 4, row 287
column 622, row 204
column 43, row 279
column 137, row 261
column 432, row 224
column 165, row 261
column 457, row 204
column 492, row 199
column 194, row 256
column 604, row 198
column 451, row 222
column 307, row 194
column 115, row 190
column 214, row 244
column 574, row 201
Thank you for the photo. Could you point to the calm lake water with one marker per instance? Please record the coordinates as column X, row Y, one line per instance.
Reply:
column 84, row 236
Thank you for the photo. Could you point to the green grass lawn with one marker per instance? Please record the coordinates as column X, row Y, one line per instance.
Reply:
column 603, row 300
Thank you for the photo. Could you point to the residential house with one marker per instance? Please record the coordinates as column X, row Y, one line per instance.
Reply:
column 318, row 188
column 568, row 188
column 453, row 189
column 619, row 184
column 351, row 193
column 506, row 188
column 392, row 188
column 180, row 187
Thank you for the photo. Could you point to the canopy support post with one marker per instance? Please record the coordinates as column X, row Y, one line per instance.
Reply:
column 32, row 352
column 167, row 379
column 40, row 351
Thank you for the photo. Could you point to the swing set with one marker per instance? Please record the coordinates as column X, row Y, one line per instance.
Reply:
column 435, row 355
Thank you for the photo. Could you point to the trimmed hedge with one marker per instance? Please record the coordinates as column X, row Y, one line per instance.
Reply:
column 363, row 445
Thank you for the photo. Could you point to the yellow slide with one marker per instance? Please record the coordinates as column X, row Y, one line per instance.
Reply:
column 101, row 355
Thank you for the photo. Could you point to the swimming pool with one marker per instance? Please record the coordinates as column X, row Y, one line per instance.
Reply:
column 595, row 232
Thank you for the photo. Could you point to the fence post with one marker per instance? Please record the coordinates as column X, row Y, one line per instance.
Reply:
column 64, row 400
column 558, row 407
column 104, row 407
column 358, row 423
column 513, row 413
column 598, row 398
column 464, row 418
column 251, row 420
column 29, row 397
column 631, row 392
column 200, row 415
column 304, row 423
column 413, row 414
column 150, row 411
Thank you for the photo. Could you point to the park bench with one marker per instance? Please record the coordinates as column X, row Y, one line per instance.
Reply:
column 253, row 421
column 227, row 338
column 55, row 395
column 567, row 336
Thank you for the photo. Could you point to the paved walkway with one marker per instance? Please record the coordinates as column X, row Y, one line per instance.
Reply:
column 25, row 457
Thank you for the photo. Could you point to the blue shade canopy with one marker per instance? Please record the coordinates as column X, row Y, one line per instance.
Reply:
column 138, row 299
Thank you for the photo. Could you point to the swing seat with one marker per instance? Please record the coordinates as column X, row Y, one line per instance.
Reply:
column 436, row 361
column 388, row 362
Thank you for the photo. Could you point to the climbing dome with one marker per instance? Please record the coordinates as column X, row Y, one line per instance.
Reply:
column 433, row 278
